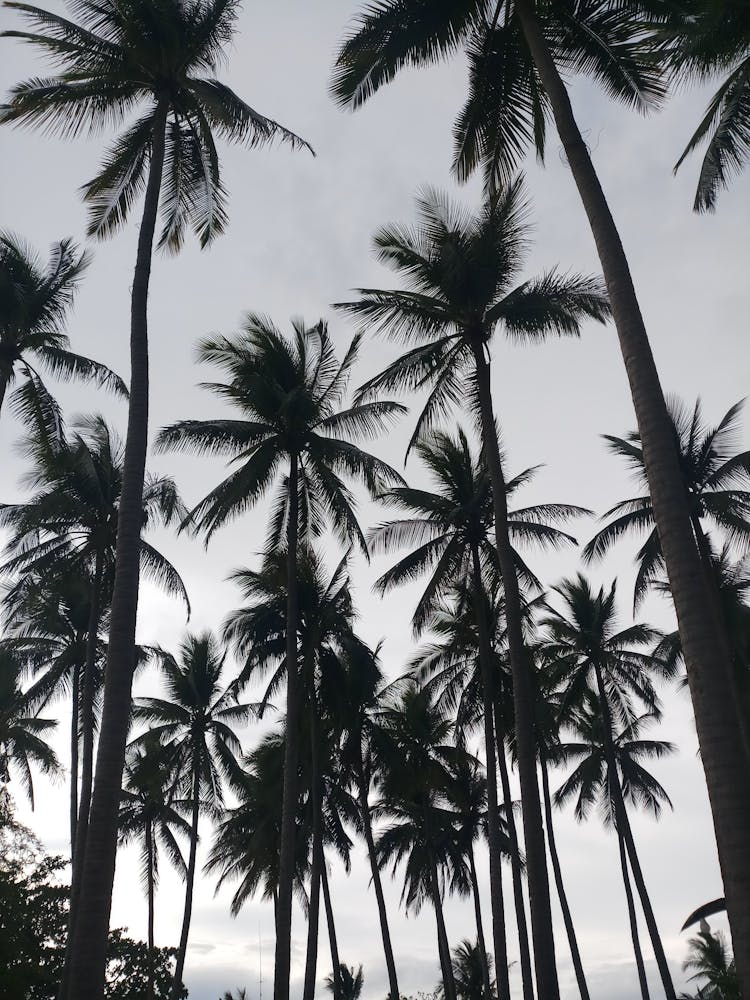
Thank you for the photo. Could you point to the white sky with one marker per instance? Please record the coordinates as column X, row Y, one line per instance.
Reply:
column 299, row 239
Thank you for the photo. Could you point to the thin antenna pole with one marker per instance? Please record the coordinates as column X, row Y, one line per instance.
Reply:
column 260, row 966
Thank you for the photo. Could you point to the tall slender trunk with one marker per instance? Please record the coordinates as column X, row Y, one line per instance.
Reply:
column 313, row 915
column 623, row 825
column 704, row 647
column 499, row 937
column 444, row 951
column 282, row 957
column 515, row 861
column 364, row 808
column 150, row 893
column 523, row 703
column 92, row 923
column 86, row 696
column 633, row 918
column 190, row 879
column 567, row 917
column 3, row 389
column 75, row 713
column 332, row 937
column 480, row 927
column 648, row 910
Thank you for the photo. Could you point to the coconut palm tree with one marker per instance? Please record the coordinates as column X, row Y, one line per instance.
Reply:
column 716, row 479
column 159, row 58
column 468, row 971
column 22, row 733
column 351, row 982
column 246, row 840
column 45, row 624
column 608, row 773
column 549, row 721
column 70, row 522
column 517, row 52
column 289, row 395
column 706, row 40
column 467, row 797
column 355, row 694
column 461, row 273
column 196, row 721
column 710, row 961
column 596, row 659
column 420, row 833
column 450, row 530
column 149, row 815
column 257, row 633
column 35, row 298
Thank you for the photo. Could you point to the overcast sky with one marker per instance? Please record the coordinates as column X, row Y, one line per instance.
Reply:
column 299, row 239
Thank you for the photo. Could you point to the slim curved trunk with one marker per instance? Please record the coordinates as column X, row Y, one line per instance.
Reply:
column 313, row 913
column 515, row 861
column 567, row 917
column 189, row 881
column 332, row 938
column 633, row 919
column 282, row 956
column 523, row 703
column 648, row 910
column 75, row 712
column 704, row 647
column 85, row 696
column 364, row 808
column 444, row 951
column 87, row 728
column 3, row 389
column 480, row 927
column 92, row 923
column 624, row 831
column 499, row 937
column 150, row 892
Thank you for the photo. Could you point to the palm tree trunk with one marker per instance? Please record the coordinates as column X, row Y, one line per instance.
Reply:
column 567, row 917
column 74, row 723
column 150, row 892
column 515, row 861
column 499, row 936
column 332, row 937
column 282, row 957
column 87, row 728
column 86, row 695
column 480, row 928
column 444, row 951
column 364, row 808
column 3, row 389
column 633, row 919
column 92, row 922
column 190, row 879
column 313, row 915
column 623, row 825
column 648, row 910
column 704, row 647
column 523, row 703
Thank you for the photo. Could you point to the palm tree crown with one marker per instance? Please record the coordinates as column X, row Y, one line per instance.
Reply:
column 706, row 39
column 287, row 393
column 507, row 107
column 462, row 274
column 717, row 482
column 35, row 299
column 162, row 54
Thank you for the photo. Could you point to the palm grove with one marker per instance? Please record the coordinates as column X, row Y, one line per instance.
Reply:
column 509, row 672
